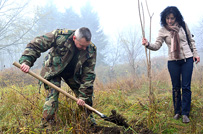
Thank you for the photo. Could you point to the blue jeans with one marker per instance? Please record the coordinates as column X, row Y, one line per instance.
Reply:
column 181, row 75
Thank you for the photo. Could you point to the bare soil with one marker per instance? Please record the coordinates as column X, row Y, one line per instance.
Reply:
column 120, row 130
column 124, row 128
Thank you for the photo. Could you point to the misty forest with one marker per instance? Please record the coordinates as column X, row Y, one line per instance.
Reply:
column 130, row 80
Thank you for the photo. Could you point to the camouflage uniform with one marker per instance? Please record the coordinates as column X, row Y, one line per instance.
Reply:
column 62, row 48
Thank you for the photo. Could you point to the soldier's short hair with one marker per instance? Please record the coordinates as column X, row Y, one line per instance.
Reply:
column 83, row 32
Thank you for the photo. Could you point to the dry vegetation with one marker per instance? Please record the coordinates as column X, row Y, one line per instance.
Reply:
column 21, row 106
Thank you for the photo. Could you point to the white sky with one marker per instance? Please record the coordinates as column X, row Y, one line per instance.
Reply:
column 118, row 14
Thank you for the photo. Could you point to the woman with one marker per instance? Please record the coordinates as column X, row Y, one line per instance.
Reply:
column 181, row 55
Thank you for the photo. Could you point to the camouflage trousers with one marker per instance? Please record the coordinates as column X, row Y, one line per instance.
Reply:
column 51, row 103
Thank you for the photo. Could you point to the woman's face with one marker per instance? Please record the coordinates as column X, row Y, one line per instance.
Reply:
column 170, row 19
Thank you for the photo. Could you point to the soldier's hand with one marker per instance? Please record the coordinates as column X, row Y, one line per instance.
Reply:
column 81, row 102
column 25, row 68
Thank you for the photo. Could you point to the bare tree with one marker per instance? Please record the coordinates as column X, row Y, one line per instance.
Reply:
column 152, row 104
column 16, row 21
column 198, row 31
column 114, row 55
column 130, row 42
column 11, row 25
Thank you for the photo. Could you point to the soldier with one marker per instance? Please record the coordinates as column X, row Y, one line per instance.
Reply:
column 71, row 56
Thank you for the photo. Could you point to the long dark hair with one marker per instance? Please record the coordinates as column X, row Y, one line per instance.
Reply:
column 174, row 10
column 179, row 19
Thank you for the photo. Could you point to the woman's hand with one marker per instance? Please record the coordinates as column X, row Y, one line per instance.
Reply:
column 145, row 42
column 25, row 68
column 196, row 59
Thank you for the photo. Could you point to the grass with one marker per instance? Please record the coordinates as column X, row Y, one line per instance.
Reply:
column 21, row 107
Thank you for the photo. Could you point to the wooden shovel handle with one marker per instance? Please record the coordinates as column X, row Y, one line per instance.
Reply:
column 57, row 88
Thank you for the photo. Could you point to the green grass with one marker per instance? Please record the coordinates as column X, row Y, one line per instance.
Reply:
column 21, row 108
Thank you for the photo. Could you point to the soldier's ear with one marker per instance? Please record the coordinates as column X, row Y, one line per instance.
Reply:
column 74, row 38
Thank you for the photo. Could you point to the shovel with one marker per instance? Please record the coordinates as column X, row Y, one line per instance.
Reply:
column 115, row 118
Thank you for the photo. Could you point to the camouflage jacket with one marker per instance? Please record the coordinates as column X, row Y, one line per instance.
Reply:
column 60, row 42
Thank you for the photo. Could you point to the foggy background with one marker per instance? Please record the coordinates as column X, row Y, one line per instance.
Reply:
column 114, row 24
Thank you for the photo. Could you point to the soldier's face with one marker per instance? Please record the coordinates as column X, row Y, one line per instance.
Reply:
column 81, row 44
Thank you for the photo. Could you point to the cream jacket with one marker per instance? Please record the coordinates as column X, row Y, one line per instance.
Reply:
column 185, row 51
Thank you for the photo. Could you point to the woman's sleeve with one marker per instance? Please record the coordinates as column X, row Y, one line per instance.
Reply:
column 192, row 41
column 159, row 41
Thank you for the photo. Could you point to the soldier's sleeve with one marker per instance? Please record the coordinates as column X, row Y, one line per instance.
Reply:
column 38, row 45
column 88, row 77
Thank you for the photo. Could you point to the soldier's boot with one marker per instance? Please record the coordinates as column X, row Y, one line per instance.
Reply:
column 44, row 123
column 48, row 125
column 92, row 121
column 88, row 116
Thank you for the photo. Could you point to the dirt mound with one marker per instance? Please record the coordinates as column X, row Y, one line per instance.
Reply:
column 132, row 127
column 106, row 130
column 117, row 119
column 120, row 130
column 139, row 127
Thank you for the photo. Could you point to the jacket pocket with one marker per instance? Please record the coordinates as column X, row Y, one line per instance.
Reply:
column 56, row 60
column 47, row 60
